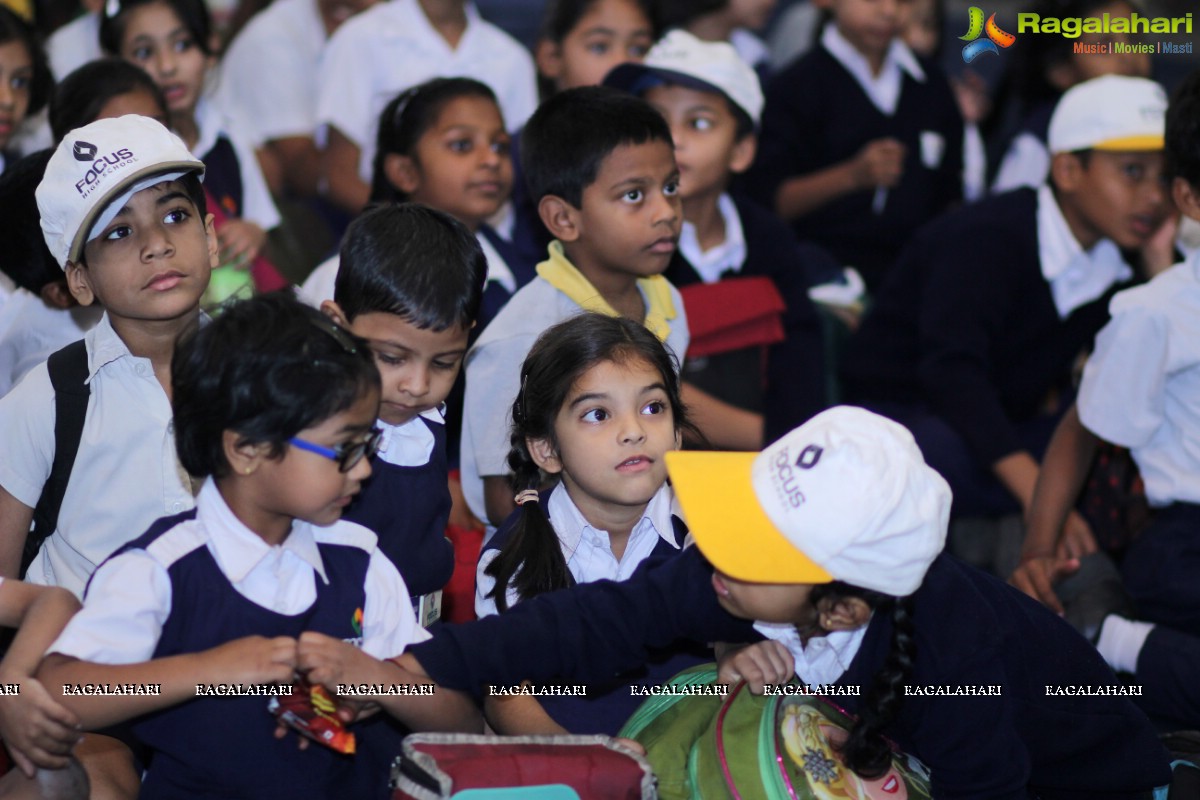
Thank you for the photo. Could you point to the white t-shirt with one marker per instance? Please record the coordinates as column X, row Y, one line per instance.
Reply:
column 1141, row 386
column 126, row 473
column 257, row 204
column 129, row 598
column 268, row 77
column 392, row 47
column 494, row 372
column 74, row 44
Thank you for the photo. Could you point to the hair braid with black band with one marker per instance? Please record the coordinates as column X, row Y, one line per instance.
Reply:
column 866, row 752
column 531, row 561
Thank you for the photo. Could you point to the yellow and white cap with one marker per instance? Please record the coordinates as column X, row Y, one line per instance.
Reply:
column 1112, row 112
column 846, row 496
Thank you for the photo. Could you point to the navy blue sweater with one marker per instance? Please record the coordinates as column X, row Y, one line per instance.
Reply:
column 794, row 385
column 816, row 116
column 970, row 630
column 966, row 325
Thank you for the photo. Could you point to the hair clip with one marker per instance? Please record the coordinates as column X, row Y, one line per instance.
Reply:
column 527, row 496
column 405, row 99
column 340, row 336
column 112, row 8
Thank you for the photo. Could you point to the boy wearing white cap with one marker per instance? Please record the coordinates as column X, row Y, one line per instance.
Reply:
column 123, row 212
column 713, row 103
column 1140, row 390
column 831, row 540
column 972, row 340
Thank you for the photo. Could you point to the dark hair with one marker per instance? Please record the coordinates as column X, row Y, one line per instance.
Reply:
column 413, row 261
column 27, row 260
column 192, row 187
column 562, row 16
column 678, row 13
column 532, row 561
column 1182, row 137
column 267, row 367
column 192, row 13
column 80, row 96
column 866, row 752
column 569, row 136
column 408, row 117
column 41, row 83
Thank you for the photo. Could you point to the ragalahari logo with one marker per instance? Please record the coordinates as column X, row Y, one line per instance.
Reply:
column 996, row 38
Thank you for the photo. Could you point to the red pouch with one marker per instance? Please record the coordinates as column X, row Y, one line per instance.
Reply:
column 311, row 711
column 732, row 314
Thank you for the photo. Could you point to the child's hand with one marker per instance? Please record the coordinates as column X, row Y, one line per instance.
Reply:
column 879, row 164
column 240, row 241
column 328, row 661
column 253, row 659
column 1158, row 252
column 1036, row 577
column 761, row 664
column 971, row 93
column 37, row 731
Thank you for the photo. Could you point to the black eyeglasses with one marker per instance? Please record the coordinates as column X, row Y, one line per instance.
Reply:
column 348, row 454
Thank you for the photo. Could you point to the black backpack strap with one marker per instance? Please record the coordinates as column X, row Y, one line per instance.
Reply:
column 68, row 369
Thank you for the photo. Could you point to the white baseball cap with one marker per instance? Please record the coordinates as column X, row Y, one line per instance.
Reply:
column 1112, row 112
column 96, row 169
column 681, row 58
column 847, row 496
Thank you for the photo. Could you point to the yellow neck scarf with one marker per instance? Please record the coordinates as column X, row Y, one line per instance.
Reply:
column 560, row 273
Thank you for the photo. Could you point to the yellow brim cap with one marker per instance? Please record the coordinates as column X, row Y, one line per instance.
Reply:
column 727, row 521
column 1131, row 143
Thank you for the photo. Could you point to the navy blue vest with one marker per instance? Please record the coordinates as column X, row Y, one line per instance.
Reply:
column 407, row 508
column 609, row 704
column 225, row 747
column 223, row 177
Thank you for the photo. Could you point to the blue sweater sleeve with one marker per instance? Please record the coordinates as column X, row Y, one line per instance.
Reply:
column 587, row 633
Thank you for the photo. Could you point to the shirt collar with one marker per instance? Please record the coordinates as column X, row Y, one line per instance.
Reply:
column 497, row 269
column 568, row 522
column 883, row 89
column 416, row 26
column 238, row 549
column 208, row 126
column 1075, row 276
column 104, row 346
column 824, row 659
column 729, row 255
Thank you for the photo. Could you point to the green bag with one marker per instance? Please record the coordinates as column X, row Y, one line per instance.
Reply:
column 710, row 741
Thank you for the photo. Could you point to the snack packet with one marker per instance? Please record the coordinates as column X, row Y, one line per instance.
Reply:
column 312, row 712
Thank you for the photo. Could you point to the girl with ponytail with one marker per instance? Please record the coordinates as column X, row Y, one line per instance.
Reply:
column 597, row 412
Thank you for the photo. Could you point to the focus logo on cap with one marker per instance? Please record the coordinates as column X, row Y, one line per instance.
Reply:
column 809, row 456
column 85, row 151
column 784, row 472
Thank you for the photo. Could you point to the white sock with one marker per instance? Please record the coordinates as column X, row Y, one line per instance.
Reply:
column 1121, row 642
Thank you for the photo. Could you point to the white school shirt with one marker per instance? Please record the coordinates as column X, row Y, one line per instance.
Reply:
column 1141, row 386
column 129, row 598
column 392, row 46
column 493, row 367
column 268, row 77
column 1076, row 276
column 727, row 256
column 1027, row 163
column 824, row 659
column 410, row 444
column 31, row 331
column 586, row 549
column 883, row 90
column 257, row 204
column 126, row 473
column 74, row 44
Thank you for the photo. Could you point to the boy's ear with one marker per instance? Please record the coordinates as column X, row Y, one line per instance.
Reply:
column 544, row 455
column 243, row 458
column 548, row 57
column 1067, row 171
column 214, row 244
column 560, row 218
column 744, row 150
column 1186, row 198
column 79, row 284
column 332, row 310
column 842, row 613
column 57, row 294
column 401, row 172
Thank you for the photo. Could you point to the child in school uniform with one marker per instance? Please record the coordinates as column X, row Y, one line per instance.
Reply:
column 275, row 408
column 712, row 101
column 1139, row 391
column 28, row 81
column 266, row 85
column 392, row 47
column 830, row 542
column 972, row 340
column 410, row 283
column 172, row 40
column 600, row 163
column 599, row 409
column 861, row 140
